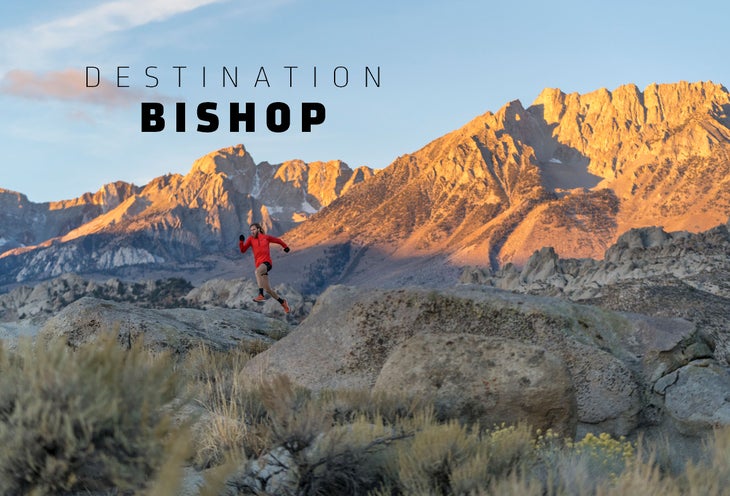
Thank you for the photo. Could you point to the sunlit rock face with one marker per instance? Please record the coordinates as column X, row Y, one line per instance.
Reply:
column 570, row 171
column 172, row 219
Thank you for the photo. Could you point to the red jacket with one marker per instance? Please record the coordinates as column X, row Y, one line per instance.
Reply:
column 260, row 245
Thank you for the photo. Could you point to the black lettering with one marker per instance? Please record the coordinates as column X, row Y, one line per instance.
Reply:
column 271, row 111
column 339, row 69
column 180, row 117
column 152, row 121
column 233, row 79
column 122, row 76
column 313, row 113
column 204, row 115
column 151, row 76
column 259, row 80
column 98, row 76
column 291, row 75
column 179, row 73
column 248, row 117
column 368, row 72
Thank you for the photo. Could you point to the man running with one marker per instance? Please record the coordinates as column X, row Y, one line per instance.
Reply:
column 259, row 242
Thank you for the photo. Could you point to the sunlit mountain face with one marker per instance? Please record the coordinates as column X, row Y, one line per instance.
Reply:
column 570, row 171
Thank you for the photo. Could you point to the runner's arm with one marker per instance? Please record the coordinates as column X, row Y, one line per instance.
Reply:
column 278, row 241
column 244, row 245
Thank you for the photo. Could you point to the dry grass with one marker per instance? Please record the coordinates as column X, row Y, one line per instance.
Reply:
column 100, row 420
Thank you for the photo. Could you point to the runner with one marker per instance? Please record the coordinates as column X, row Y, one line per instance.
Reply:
column 259, row 242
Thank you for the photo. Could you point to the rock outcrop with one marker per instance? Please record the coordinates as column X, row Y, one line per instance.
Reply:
column 614, row 359
column 698, row 259
column 483, row 380
column 177, row 330
column 25, row 310
column 649, row 271
column 691, row 397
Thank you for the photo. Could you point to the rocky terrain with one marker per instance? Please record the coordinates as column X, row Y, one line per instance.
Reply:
column 483, row 354
column 647, row 271
column 219, row 311
column 634, row 344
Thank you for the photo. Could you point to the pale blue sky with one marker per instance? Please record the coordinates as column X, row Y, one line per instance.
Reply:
column 441, row 64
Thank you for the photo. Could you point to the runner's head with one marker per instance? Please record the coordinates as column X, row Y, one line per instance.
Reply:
column 255, row 229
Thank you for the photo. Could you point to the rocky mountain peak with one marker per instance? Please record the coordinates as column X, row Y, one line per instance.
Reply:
column 229, row 161
column 107, row 197
column 670, row 103
column 10, row 197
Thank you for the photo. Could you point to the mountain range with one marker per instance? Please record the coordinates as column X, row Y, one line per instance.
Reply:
column 571, row 171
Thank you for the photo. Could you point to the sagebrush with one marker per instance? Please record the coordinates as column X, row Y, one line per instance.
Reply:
column 104, row 419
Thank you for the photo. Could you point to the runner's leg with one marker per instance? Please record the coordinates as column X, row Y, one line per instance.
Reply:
column 262, row 277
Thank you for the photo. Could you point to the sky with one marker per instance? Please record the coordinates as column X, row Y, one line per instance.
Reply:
column 74, row 89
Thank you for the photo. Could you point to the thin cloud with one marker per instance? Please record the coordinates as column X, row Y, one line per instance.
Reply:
column 37, row 45
column 30, row 52
column 68, row 85
column 109, row 18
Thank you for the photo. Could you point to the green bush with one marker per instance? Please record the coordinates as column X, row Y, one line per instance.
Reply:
column 91, row 419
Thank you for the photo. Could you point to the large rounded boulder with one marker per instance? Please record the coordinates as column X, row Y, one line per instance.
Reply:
column 483, row 380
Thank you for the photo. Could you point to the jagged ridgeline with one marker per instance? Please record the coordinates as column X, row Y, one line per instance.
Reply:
column 570, row 171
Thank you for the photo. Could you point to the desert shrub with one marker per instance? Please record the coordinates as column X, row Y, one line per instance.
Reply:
column 221, row 435
column 335, row 442
column 495, row 455
column 347, row 405
column 643, row 477
column 510, row 448
column 450, row 458
column 91, row 419
column 353, row 459
column 236, row 425
column 427, row 460
column 515, row 484
column 233, row 425
column 206, row 368
column 712, row 474
column 594, row 461
column 294, row 416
